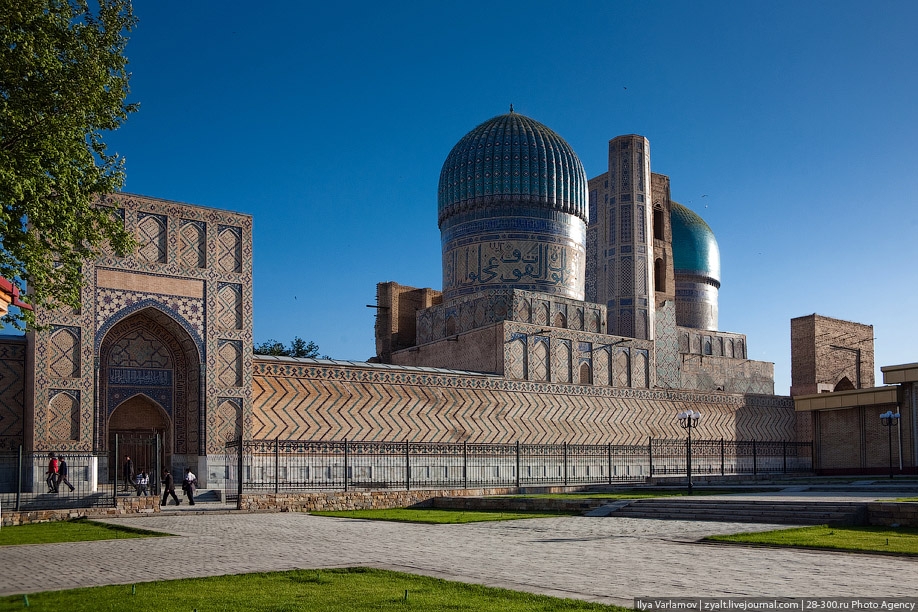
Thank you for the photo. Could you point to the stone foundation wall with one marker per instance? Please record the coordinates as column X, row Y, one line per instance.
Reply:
column 125, row 506
column 355, row 500
column 892, row 514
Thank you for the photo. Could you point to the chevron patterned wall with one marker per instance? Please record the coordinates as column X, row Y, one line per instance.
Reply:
column 321, row 400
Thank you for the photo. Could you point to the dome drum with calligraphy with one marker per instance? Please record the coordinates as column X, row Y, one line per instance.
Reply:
column 512, row 206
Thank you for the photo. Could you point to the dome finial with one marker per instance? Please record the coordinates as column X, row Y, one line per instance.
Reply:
column 511, row 107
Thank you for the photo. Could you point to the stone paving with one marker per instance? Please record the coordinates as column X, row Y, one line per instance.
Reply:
column 608, row 560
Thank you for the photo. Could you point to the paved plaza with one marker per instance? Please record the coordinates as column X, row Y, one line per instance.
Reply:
column 608, row 560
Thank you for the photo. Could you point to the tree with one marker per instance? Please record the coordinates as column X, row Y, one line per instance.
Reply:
column 63, row 81
column 298, row 348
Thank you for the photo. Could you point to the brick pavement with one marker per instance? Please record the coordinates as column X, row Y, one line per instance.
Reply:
column 609, row 560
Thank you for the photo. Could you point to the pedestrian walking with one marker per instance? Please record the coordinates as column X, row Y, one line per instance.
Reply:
column 128, row 473
column 188, row 485
column 169, row 488
column 62, row 472
column 51, row 479
column 142, row 481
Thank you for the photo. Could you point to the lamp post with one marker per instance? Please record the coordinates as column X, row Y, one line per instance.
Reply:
column 889, row 420
column 688, row 420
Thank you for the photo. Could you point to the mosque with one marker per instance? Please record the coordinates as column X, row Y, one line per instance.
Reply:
column 572, row 310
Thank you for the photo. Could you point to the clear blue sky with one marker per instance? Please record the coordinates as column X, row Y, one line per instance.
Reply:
column 329, row 124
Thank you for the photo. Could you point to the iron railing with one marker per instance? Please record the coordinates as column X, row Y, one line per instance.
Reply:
column 273, row 466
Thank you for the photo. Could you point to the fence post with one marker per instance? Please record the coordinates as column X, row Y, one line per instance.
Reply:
column 19, row 481
column 785, row 456
column 517, row 465
column 407, row 466
column 465, row 465
column 723, row 453
column 610, row 463
column 158, row 472
column 565, row 463
column 650, row 454
column 755, row 467
column 276, row 465
column 240, row 465
column 115, row 476
column 345, row 463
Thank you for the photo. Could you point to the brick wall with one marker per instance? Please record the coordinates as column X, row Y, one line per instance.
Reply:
column 314, row 400
column 12, row 387
column 826, row 351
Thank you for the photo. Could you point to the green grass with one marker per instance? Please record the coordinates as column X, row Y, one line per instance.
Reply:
column 900, row 540
column 327, row 590
column 78, row 530
column 907, row 499
column 435, row 516
column 634, row 494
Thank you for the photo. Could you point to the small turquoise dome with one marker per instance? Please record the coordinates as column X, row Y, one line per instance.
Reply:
column 695, row 250
column 512, row 159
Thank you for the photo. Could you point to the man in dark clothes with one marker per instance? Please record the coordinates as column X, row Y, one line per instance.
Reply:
column 128, row 473
column 62, row 472
column 169, row 488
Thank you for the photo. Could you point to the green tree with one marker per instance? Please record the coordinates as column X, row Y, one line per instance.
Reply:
column 63, row 81
column 298, row 348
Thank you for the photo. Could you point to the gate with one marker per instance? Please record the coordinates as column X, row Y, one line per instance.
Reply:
column 132, row 454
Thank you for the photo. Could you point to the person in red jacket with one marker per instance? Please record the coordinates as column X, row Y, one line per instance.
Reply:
column 52, row 473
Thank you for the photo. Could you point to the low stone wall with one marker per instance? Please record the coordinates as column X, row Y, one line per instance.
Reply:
column 355, row 500
column 124, row 506
column 900, row 514
column 517, row 504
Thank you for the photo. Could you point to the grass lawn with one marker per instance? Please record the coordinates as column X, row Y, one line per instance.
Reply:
column 899, row 540
column 435, row 516
column 634, row 494
column 327, row 590
column 79, row 530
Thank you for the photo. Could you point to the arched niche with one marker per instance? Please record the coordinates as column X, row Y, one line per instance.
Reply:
column 150, row 355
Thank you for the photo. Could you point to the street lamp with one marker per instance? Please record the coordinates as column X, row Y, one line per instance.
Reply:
column 890, row 420
column 689, row 420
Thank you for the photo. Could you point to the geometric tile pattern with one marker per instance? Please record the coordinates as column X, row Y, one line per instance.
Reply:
column 229, row 306
column 229, row 253
column 12, row 396
column 177, row 241
column 666, row 346
column 111, row 301
column 64, row 359
column 64, row 416
column 229, row 363
column 151, row 237
column 226, row 424
column 310, row 400
column 194, row 244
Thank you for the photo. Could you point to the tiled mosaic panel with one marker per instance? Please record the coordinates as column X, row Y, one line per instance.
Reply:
column 64, row 359
column 229, row 303
column 490, row 306
column 666, row 346
column 64, row 416
column 229, row 251
column 316, row 402
column 114, row 301
column 230, row 363
column 225, row 424
column 193, row 250
column 539, row 360
column 515, row 358
column 95, row 325
column 151, row 237
column 12, row 381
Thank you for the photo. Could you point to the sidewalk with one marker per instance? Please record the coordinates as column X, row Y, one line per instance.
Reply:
column 609, row 560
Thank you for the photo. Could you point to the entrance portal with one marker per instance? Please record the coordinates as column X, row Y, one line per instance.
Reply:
column 135, row 421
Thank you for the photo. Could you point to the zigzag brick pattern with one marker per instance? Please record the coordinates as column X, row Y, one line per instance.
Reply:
column 316, row 401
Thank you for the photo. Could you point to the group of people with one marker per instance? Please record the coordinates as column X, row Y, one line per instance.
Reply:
column 57, row 473
column 141, row 482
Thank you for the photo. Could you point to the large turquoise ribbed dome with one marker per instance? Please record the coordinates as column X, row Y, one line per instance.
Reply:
column 695, row 250
column 512, row 159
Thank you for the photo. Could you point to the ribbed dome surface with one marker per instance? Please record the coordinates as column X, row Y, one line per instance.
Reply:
column 512, row 158
column 695, row 249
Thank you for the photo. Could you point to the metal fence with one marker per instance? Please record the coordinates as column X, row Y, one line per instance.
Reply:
column 93, row 479
column 286, row 465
